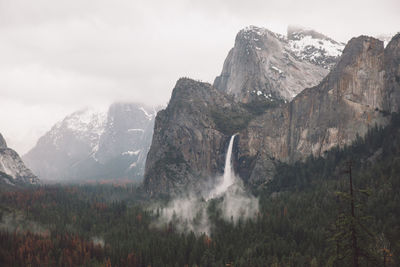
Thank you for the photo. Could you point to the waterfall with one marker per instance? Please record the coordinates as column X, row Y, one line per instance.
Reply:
column 234, row 201
column 228, row 178
column 229, row 175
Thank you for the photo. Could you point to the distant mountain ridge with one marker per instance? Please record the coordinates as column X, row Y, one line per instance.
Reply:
column 93, row 145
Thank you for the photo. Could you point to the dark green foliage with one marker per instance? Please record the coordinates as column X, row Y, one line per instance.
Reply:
column 299, row 223
column 4, row 177
column 260, row 105
column 352, row 239
column 230, row 120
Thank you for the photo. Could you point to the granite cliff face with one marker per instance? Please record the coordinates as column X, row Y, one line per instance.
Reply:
column 266, row 65
column 392, row 75
column 191, row 135
column 89, row 145
column 345, row 104
column 12, row 169
column 187, row 146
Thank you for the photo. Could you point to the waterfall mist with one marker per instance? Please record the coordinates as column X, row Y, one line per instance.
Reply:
column 228, row 179
column 189, row 213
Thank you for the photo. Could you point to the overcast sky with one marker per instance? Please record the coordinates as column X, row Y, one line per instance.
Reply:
column 59, row 56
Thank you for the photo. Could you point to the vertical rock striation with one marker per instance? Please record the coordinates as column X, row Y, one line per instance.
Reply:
column 12, row 169
column 192, row 133
column 349, row 101
column 266, row 65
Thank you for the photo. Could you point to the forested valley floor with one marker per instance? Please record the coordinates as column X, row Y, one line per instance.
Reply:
column 305, row 219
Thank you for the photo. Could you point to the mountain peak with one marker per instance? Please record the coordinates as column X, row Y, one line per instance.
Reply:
column 256, row 31
column 253, row 39
column 362, row 46
column 267, row 66
column 299, row 32
column 92, row 144
column 83, row 119
column 395, row 40
column 186, row 87
column 314, row 47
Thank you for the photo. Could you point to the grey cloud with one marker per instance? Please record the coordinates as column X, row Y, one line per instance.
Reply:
column 74, row 53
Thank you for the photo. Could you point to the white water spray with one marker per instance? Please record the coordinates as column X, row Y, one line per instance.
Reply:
column 190, row 211
column 228, row 178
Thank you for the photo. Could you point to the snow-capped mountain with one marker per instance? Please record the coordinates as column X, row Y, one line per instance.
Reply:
column 90, row 144
column 314, row 47
column 270, row 66
column 85, row 125
column 12, row 169
column 125, row 131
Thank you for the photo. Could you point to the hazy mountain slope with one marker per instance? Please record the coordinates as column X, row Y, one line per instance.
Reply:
column 69, row 141
column 12, row 169
column 94, row 145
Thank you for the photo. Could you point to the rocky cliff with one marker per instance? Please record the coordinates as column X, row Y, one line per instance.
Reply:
column 266, row 65
column 12, row 169
column 392, row 74
column 191, row 135
column 349, row 101
column 89, row 144
column 187, row 146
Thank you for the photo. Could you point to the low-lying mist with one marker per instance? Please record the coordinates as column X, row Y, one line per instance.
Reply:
column 191, row 212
